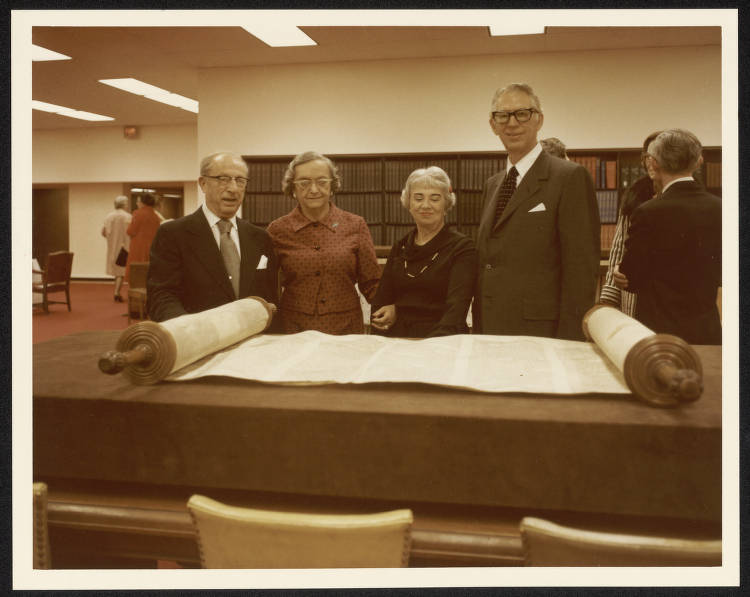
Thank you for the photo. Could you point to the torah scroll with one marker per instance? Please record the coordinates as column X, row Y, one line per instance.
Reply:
column 660, row 369
column 624, row 357
column 148, row 351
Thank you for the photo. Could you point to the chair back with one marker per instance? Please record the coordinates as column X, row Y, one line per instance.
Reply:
column 41, row 533
column 138, row 274
column 234, row 537
column 548, row 544
column 58, row 267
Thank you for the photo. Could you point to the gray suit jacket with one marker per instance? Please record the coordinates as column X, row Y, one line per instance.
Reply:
column 538, row 265
column 186, row 273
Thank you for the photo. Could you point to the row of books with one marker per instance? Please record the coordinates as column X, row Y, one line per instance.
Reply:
column 603, row 172
column 397, row 171
column 607, row 235
column 264, row 209
column 360, row 175
column 265, row 176
column 367, row 205
column 475, row 171
column 469, row 206
column 607, row 201
column 712, row 174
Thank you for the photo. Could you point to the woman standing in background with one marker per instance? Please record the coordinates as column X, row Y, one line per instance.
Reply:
column 638, row 193
column 142, row 230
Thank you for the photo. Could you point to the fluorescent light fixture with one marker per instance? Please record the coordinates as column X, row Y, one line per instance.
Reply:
column 280, row 35
column 514, row 29
column 69, row 112
column 140, row 190
column 39, row 54
column 152, row 92
column 171, row 195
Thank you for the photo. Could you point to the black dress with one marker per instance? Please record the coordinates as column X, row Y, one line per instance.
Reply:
column 431, row 285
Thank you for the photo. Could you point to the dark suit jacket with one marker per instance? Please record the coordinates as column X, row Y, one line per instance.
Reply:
column 538, row 269
column 186, row 273
column 673, row 263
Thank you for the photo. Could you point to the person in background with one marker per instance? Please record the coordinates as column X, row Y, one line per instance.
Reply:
column 555, row 147
column 323, row 252
column 142, row 230
column 211, row 257
column 637, row 193
column 428, row 281
column 115, row 231
column 672, row 255
column 538, row 236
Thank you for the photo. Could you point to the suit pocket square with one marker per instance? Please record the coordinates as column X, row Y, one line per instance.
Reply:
column 263, row 262
column 539, row 207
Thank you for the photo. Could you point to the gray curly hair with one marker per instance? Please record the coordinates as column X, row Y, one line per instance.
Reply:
column 287, row 181
column 431, row 176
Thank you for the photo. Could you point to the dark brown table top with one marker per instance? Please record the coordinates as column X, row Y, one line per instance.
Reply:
column 606, row 454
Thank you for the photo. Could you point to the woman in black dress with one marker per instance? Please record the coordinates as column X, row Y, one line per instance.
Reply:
column 429, row 278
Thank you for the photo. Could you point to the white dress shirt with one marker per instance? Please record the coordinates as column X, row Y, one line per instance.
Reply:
column 213, row 219
column 671, row 182
column 525, row 163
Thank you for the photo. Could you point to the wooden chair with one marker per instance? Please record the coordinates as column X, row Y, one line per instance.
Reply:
column 41, row 533
column 137, row 289
column 233, row 537
column 55, row 278
column 548, row 544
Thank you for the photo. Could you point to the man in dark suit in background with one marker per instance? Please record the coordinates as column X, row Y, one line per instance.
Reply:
column 211, row 257
column 672, row 255
column 538, row 237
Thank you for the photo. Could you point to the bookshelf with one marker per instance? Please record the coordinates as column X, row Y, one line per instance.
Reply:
column 371, row 186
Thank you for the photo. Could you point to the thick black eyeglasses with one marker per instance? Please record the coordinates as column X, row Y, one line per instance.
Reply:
column 522, row 115
column 226, row 180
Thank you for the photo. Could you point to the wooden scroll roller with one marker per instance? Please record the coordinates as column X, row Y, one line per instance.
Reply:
column 149, row 351
column 660, row 369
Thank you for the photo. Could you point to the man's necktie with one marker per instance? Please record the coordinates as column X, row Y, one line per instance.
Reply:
column 230, row 255
column 506, row 192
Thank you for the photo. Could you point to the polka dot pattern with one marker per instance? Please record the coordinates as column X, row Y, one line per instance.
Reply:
column 320, row 263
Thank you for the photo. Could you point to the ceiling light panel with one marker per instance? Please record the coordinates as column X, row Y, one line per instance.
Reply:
column 69, row 112
column 278, row 36
column 152, row 92
column 514, row 29
column 40, row 54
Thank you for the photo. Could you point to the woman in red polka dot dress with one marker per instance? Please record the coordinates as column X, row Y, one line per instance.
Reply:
column 323, row 252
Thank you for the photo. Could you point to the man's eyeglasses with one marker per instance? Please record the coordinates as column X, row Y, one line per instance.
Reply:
column 226, row 180
column 305, row 183
column 522, row 115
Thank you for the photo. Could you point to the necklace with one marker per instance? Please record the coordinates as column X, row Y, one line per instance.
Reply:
column 420, row 272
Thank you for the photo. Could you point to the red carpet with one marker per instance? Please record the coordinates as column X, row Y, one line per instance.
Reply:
column 92, row 308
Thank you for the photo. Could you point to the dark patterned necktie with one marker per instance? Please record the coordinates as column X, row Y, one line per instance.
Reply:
column 506, row 192
column 229, row 254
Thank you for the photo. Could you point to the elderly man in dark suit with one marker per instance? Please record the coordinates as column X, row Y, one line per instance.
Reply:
column 211, row 257
column 538, row 237
column 672, row 255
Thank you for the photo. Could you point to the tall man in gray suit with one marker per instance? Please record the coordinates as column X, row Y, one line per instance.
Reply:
column 538, row 238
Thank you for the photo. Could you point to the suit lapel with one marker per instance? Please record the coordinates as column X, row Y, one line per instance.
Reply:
column 250, row 253
column 488, row 216
column 525, row 192
column 207, row 252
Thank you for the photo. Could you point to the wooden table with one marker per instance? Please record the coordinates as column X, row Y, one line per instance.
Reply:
column 121, row 460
